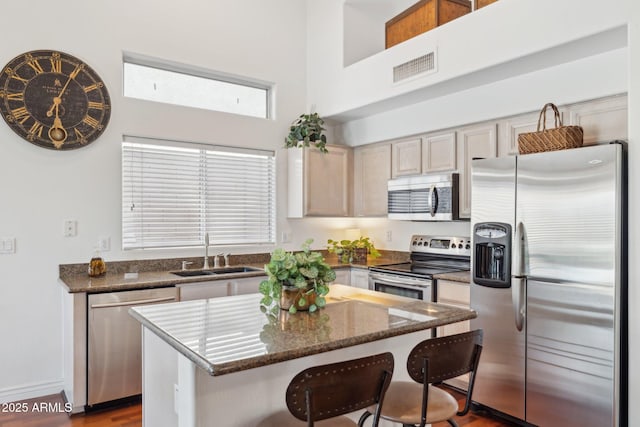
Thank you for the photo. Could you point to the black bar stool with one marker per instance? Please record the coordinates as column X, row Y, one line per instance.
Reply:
column 321, row 395
column 432, row 361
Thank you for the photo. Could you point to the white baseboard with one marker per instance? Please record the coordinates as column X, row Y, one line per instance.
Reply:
column 13, row 394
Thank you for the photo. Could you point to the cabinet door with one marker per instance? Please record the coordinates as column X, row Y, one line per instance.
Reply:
column 602, row 120
column 371, row 171
column 327, row 181
column 509, row 129
column 406, row 157
column 343, row 276
column 473, row 142
column 203, row 290
column 456, row 294
column 360, row 278
column 245, row 285
column 439, row 153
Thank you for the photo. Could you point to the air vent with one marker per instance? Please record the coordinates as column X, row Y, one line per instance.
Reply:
column 414, row 67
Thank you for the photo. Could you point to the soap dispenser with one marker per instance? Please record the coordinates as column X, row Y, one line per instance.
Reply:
column 97, row 267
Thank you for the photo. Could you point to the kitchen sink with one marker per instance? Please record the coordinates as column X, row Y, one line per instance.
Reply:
column 222, row 270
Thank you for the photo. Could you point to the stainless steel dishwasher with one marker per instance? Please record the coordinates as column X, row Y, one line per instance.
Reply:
column 114, row 365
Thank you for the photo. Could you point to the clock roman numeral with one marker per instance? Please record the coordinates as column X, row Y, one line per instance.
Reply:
column 36, row 129
column 76, row 71
column 91, row 121
column 18, row 96
column 56, row 63
column 14, row 75
column 33, row 63
column 21, row 114
column 96, row 105
column 94, row 86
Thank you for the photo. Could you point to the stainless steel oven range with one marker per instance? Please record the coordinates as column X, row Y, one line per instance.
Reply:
column 430, row 255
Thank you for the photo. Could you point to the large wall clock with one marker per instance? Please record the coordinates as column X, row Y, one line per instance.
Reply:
column 53, row 99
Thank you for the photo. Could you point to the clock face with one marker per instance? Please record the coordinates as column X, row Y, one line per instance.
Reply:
column 53, row 100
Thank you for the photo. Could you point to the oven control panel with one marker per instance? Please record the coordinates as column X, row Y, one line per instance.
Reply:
column 441, row 245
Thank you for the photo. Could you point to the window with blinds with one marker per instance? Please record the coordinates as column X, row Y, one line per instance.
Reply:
column 173, row 193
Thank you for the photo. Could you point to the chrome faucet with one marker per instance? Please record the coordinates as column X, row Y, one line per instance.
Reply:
column 185, row 264
column 226, row 259
column 216, row 260
column 205, row 266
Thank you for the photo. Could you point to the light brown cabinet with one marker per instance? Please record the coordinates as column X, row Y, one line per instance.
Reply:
column 406, row 157
column 456, row 294
column 477, row 141
column 320, row 183
column 602, row 120
column 371, row 171
column 439, row 153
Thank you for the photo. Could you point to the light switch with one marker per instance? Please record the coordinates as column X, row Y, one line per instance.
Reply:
column 7, row 245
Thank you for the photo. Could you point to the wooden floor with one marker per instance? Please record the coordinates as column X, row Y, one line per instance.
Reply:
column 131, row 416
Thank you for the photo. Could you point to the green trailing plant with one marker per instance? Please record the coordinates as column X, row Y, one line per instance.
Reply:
column 346, row 249
column 305, row 272
column 307, row 130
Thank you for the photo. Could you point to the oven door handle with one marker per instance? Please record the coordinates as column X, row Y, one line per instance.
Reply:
column 405, row 281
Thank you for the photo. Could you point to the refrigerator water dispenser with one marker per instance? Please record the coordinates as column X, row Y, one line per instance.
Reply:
column 492, row 254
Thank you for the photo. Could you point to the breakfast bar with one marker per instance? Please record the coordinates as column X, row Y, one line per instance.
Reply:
column 225, row 362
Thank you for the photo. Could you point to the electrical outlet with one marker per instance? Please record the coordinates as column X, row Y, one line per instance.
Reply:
column 388, row 235
column 70, row 228
column 286, row 237
column 104, row 244
column 7, row 245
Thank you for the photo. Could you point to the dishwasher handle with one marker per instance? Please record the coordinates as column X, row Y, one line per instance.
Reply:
column 132, row 303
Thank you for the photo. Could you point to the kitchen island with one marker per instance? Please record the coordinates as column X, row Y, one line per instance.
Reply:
column 223, row 362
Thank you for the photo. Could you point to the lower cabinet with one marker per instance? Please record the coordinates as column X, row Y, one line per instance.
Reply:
column 360, row 278
column 343, row 276
column 456, row 294
column 219, row 288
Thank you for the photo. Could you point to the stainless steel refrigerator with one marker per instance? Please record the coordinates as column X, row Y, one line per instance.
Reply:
column 549, row 285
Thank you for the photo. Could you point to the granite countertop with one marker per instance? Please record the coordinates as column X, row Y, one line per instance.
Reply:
column 459, row 276
column 230, row 334
column 129, row 275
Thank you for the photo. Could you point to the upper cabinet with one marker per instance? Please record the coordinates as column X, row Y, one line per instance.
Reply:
column 439, row 153
column 601, row 120
column 477, row 141
column 371, row 171
column 320, row 183
column 511, row 128
column 406, row 157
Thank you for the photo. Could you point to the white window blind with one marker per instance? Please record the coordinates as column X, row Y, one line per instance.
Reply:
column 173, row 193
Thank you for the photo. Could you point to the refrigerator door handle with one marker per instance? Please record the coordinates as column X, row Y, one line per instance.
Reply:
column 517, row 292
column 518, row 279
column 518, row 252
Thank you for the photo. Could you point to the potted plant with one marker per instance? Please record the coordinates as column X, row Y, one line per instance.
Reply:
column 353, row 250
column 305, row 131
column 296, row 281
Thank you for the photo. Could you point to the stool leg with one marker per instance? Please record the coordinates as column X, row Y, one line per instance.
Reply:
column 363, row 418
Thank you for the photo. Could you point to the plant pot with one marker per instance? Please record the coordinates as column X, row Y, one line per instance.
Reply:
column 290, row 295
column 359, row 255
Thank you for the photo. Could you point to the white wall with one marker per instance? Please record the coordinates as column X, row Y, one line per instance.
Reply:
column 41, row 188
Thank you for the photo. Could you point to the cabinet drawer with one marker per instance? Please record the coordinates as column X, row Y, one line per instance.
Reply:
column 454, row 292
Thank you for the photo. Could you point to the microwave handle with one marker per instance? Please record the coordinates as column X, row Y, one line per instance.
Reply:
column 433, row 206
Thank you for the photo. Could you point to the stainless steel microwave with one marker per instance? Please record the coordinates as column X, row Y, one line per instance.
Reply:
column 423, row 198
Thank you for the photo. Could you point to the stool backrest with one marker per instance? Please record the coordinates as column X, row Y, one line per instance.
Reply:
column 448, row 357
column 335, row 389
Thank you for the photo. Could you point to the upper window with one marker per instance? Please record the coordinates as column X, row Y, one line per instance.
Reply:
column 173, row 193
column 153, row 80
